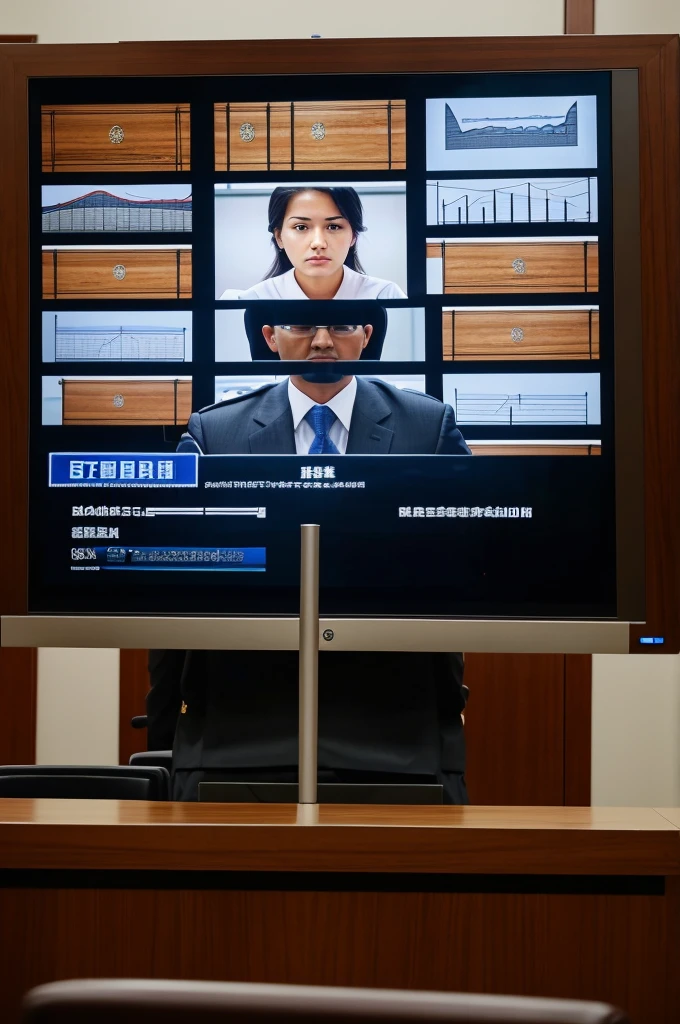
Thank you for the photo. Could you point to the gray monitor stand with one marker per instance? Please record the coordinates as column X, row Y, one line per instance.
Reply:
column 307, row 790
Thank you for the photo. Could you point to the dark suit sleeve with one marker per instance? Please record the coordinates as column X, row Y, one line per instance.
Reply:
column 193, row 440
column 451, row 441
column 164, row 700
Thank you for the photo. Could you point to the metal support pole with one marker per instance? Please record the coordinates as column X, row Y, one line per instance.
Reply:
column 308, row 728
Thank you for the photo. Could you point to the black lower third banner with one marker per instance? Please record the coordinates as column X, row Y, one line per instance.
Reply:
column 400, row 535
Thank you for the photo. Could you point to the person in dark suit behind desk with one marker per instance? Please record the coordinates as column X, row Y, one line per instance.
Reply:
column 383, row 716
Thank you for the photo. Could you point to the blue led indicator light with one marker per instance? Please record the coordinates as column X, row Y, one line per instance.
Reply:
column 651, row 639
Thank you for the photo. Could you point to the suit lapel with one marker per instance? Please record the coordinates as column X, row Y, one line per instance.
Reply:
column 272, row 432
column 367, row 433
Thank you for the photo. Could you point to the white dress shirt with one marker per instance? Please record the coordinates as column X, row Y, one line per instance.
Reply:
column 342, row 405
column 352, row 286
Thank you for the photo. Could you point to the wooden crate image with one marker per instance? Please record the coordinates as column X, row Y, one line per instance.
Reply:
column 520, row 334
column 367, row 135
column 135, row 402
column 535, row 449
column 116, row 273
column 496, row 267
column 116, row 137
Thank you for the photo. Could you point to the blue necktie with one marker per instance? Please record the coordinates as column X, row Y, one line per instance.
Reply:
column 321, row 419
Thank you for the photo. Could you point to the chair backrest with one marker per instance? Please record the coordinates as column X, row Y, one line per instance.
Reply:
column 90, row 782
column 152, row 758
column 195, row 1002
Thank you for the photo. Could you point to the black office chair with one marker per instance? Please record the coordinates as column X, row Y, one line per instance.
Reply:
column 88, row 782
column 152, row 758
column 200, row 1002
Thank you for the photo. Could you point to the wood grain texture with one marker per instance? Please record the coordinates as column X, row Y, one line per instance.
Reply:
column 18, row 39
column 14, row 371
column 620, row 820
column 654, row 56
column 358, row 135
column 143, row 273
column 601, row 947
column 18, row 693
column 77, row 139
column 513, row 724
column 87, row 834
column 341, row 56
column 525, row 711
column 498, row 267
column 521, row 334
column 592, row 267
column 660, row 253
column 579, row 16
column 125, row 402
column 534, row 449
column 672, row 900
column 133, row 688
column 577, row 728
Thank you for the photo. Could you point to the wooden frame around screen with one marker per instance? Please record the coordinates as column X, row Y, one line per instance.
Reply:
column 655, row 57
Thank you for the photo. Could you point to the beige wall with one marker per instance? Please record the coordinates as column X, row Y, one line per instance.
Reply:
column 636, row 702
column 624, row 17
column 636, row 730
column 77, row 706
column 76, row 21
column 73, row 21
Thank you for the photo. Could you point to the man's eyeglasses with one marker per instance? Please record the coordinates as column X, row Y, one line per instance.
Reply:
column 309, row 330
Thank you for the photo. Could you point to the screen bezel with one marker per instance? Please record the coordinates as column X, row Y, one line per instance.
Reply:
column 409, row 55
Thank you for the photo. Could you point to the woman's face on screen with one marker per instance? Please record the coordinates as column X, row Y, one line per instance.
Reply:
column 315, row 235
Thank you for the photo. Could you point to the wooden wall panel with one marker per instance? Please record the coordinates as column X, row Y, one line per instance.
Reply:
column 134, row 684
column 514, row 728
column 579, row 17
column 578, row 680
column 589, row 946
column 18, row 692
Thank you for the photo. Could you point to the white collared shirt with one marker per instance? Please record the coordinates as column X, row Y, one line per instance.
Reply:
column 352, row 286
column 341, row 404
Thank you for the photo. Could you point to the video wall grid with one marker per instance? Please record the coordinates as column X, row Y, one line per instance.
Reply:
column 478, row 214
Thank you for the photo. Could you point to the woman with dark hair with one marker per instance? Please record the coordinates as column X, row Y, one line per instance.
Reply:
column 314, row 233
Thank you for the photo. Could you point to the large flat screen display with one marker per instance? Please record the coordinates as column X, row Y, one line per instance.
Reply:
column 383, row 304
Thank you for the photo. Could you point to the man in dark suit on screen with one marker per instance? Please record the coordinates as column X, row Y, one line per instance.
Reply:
column 323, row 411
column 383, row 717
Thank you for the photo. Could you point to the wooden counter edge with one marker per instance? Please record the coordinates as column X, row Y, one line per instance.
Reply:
column 387, row 849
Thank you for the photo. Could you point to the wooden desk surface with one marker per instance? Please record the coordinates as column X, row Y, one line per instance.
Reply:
column 136, row 835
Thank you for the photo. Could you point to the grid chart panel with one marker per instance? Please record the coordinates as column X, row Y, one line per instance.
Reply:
column 118, row 218
column 567, row 202
column 119, row 343
column 520, row 409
